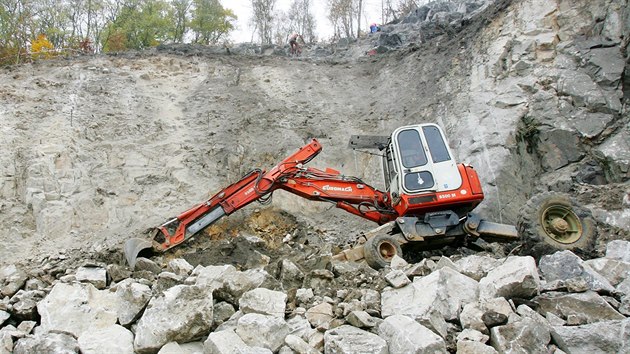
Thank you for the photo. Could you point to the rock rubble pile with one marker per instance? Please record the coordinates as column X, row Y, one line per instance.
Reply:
column 468, row 304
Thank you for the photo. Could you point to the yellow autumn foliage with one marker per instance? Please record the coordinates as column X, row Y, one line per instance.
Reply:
column 41, row 48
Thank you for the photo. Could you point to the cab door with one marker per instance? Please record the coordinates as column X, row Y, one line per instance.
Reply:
column 424, row 160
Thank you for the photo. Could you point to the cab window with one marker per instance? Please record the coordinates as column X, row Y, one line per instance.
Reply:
column 419, row 180
column 411, row 151
column 437, row 147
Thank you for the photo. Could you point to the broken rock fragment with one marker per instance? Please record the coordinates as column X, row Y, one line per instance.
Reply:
column 397, row 278
column 524, row 335
column 24, row 304
column 472, row 313
column 262, row 330
column 87, row 306
column 183, row 313
column 424, row 294
column 225, row 342
column 404, row 335
column 619, row 250
column 12, row 279
column 587, row 307
column 599, row 337
column 516, row 277
column 179, row 266
column 351, row 340
column 96, row 276
column 112, row 339
column 132, row 298
column 320, row 315
column 361, row 319
column 566, row 266
column 47, row 342
column 263, row 301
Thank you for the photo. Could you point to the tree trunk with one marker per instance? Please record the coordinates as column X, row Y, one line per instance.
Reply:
column 359, row 19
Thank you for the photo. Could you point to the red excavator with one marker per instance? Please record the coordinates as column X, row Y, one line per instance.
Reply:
column 428, row 198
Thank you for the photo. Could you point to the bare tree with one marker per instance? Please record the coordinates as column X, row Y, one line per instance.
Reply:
column 262, row 19
column 359, row 18
column 299, row 19
column 341, row 14
column 406, row 6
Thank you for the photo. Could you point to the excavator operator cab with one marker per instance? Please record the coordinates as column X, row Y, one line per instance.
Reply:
column 418, row 160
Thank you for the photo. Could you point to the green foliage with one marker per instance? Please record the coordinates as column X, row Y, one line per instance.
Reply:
column 210, row 21
column 140, row 24
column 88, row 26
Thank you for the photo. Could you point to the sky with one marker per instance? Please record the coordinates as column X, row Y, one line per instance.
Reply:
column 242, row 9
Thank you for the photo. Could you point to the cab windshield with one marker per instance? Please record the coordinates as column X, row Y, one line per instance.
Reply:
column 411, row 151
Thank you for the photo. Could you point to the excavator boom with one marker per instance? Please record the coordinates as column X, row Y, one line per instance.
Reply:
column 348, row 193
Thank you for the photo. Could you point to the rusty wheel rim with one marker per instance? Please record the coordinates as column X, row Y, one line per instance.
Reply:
column 387, row 250
column 561, row 224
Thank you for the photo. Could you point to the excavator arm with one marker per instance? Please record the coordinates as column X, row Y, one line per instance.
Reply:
column 347, row 193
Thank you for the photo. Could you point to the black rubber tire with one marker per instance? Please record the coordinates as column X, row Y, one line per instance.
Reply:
column 540, row 237
column 380, row 249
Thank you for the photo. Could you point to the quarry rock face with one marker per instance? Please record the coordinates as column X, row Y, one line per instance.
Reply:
column 100, row 148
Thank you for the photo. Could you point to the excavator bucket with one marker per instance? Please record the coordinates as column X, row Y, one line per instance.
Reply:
column 133, row 247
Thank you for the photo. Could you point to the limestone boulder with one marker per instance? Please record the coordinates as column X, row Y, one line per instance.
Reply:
column 351, row 340
column 599, row 337
column 12, row 279
column 587, row 307
column 472, row 335
column 222, row 312
column 133, row 297
column 361, row 319
column 179, row 266
column 299, row 345
column 24, row 304
column 320, row 315
column 77, row 308
column 472, row 315
column 516, row 277
column 521, row 336
column 6, row 341
column 262, row 330
column 229, row 284
column 4, row 316
column 263, row 301
column 619, row 250
column 290, row 275
column 299, row 326
column 184, row 348
column 147, row 265
column 565, row 265
column 112, row 339
column 182, row 314
column 615, row 271
column 164, row 281
column 476, row 266
column 47, row 342
column 397, row 278
column 472, row 347
column 225, row 342
column 404, row 335
column 96, row 276
column 444, row 290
